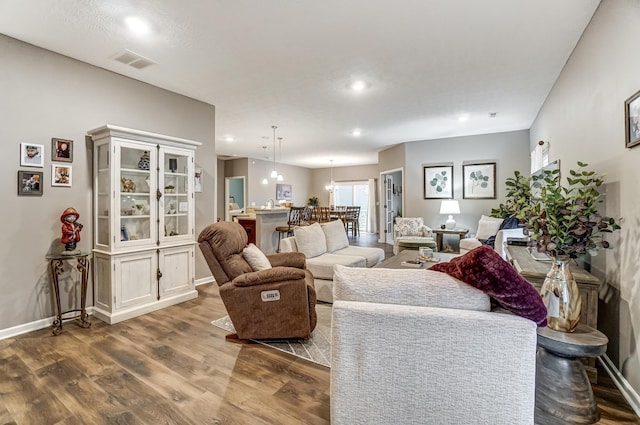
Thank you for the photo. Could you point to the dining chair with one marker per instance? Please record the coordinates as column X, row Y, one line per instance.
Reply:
column 351, row 220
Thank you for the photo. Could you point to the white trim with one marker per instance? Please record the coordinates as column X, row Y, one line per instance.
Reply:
column 34, row 326
column 632, row 397
column 205, row 280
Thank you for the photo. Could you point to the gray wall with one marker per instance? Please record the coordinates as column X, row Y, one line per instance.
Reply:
column 583, row 119
column 45, row 95
column 509, row 150
column 298, row 177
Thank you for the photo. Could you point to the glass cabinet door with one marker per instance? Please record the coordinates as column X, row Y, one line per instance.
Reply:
column 102, row 201
column 136, row 201
column 176, row 203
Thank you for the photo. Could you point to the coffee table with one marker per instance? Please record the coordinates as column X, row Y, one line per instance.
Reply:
column 395, row 261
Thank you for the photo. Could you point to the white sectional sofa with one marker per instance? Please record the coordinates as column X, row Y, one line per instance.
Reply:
column 417, row 347
column 325, row 245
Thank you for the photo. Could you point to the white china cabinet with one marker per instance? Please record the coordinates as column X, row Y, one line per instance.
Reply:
column 144, row 233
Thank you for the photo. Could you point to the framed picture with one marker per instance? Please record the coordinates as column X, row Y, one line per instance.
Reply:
column 438, row 181
column 61, row 150
column 31, row 155
column 632, row 120
column 30, row 183
column 197, row 180
column 283, row 192
column 60, row 175
column 479, row 181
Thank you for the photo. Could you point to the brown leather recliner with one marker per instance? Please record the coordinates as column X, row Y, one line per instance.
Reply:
column 267, row 304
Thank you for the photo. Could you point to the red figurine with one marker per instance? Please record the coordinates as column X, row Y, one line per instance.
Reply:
column 70, row 230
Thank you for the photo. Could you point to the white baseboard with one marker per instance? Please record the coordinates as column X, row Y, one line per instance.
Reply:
column 34, row 326
column 204, row 280
column 632, row 397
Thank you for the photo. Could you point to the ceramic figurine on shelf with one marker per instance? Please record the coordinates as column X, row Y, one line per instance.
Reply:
column 143, row 164
column 70, row 231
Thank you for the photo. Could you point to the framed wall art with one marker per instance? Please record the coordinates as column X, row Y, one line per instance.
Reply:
column 283, row 192
column 61, row 175
column 30, row 183
column 61, row 150
column 479, row 181
column 438, row 181
column 632, row 120
column 31, row 155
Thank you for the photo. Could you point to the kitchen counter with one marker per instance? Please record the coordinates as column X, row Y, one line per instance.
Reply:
column 265, row 227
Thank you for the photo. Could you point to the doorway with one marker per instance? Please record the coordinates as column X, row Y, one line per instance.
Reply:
column 234, row 194
column 392, row 205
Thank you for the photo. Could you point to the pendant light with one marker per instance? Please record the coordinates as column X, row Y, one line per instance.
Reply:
column 264, row 150
column 280, row 176
column 331, row 184
column 274, row 173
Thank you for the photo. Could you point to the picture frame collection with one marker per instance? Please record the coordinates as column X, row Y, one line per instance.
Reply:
column 31, row 182
column 479, row 181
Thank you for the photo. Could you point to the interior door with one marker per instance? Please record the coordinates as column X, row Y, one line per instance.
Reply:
column 388, row 208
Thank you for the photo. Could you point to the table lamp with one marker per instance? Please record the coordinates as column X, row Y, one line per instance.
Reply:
column 450, row 207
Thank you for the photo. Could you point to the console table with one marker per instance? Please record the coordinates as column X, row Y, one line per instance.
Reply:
column 57, row 267
column 535, row 272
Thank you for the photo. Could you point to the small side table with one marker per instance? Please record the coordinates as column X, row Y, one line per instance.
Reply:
column 563, row 390
column 56, row 263
column 440, row 232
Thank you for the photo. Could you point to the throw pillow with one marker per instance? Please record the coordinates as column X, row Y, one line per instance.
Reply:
column 409, row 226
column 336, row 235
column 310, row 240
column 487, row 228
column 256, row 258
column 485, row 269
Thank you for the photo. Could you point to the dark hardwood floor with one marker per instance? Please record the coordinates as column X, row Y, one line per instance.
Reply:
column 173, row 367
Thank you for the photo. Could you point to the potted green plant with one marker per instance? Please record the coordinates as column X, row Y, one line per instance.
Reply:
column 564, row 223
column 518, row 196
column 313, row 201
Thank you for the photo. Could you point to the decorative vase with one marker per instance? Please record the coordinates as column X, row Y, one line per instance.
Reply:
column 143, row 163
column 561, row 297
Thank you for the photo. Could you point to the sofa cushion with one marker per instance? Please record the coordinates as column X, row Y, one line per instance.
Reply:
column 487, row 227
column 322, row 267
column 409, row 226
column 485, row 269
column 310, row 240
column 371, row 254
column 424, row 288
column 335, row 234
column 256, row 258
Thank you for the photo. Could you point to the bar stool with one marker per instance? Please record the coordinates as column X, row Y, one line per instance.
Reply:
column 296, row 216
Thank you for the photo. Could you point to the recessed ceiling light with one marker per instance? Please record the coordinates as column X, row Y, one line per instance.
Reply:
column 228, row 138
column 356, row 132
column 137, row 25
column 358, row 85
column 463, row 118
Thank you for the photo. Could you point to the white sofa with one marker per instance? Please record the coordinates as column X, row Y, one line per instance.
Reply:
column 420, row 347
column 487, row 227
column 325, row 245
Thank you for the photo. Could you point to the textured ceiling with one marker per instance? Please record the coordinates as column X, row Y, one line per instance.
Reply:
column 289, row 63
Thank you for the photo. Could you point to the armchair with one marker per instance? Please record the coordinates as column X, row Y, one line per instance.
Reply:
column 274, row 303
column 411, row 231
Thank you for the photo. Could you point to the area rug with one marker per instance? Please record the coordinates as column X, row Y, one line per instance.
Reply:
column 317, row 348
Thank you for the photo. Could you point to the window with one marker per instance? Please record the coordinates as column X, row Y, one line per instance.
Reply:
column 356, row 194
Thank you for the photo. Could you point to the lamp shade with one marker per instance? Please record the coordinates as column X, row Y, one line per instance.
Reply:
column 450, row 207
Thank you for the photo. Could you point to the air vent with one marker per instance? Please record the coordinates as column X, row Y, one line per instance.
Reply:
column 133, row 59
